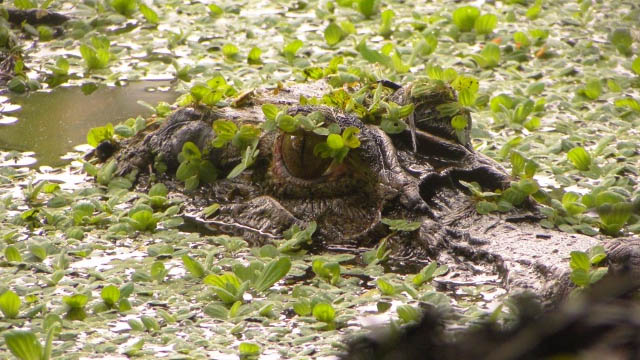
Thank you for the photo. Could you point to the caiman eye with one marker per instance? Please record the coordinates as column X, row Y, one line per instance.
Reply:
column 297, row 155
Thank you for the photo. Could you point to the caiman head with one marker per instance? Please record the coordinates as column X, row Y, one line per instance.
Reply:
column 412, row 174
column 417, row 173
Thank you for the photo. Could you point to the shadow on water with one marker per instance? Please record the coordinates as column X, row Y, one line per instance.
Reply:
column 52, row 123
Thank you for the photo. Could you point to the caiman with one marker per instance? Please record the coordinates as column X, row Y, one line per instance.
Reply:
column 417, row 174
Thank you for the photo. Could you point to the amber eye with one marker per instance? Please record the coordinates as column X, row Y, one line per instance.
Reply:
column 297, row 155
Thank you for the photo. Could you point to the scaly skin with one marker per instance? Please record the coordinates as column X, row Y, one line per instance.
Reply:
column 382, row 178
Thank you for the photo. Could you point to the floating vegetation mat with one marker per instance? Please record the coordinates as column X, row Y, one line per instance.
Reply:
column 90, row 270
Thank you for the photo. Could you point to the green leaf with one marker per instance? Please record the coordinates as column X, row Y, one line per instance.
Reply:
column 77, row 301
column 99, row 134
column 61, row 68
column 597, row 254
column 597, row 274
column 328, row 271
column 249, row 156
column 324, row 312
column 539, row 35
column 514, row 195
column 614, row 86
column 134, row 349
column 148, row 13
column 24, row 4
column 287, row 123
column 593, row 89
column 123, row 131
column 401, row 224
column 158, row 189
column 199, row 91
column 465, row 17
column 270, row 111
column 143, row 220
column 17, row 85
column 98, row 55
column 45, row 33
column 124, row 7
column 580, row 158
column 110, row 295
column 635, row 66
column 386, row 19
column 630, row 103
column 23, row 344
column 461, row 83
column 158, row 271
column 491, row 55
column 230, row 50
column 187, row 170
column 534, row 11
column 399, row 66
column 517, row 163
column 522, row 111
column 459, row 122
column 532, row 124
column 168, row 318
column 485, row 24
column 302, row 308
column 150, row 323
column 291, row 49
column 405, row 110
column 570, row 202
column 193, row 266
column 622, row 40
column 373, row 56
column 368, row 7
column 580, row 260
column 272, row 273
column 253, row 58
column 135, row 324
column 429, row 272
column 528, row 186
column 580, row 277
column 501, row 103
column 335, row 142
column 12, row 254
column 614, row 216
column 246, row 136
column 297, row 237
column 10, row 304
column 333, row 34
column 38, row 251
column 393, row 126
column 385, row 287
column 216, row 311
column 314, row 72
column 350, row 137
column 248, row 349
column 484, row 207
column 215, row 10
column 225, row 131
column 408, row 313
column 210, row 210
column 227, row 287
column 521, row 39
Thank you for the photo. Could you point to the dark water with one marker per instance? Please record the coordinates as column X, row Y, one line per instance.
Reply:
column 51, row 124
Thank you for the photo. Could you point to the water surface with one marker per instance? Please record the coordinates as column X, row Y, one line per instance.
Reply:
column 52, row 123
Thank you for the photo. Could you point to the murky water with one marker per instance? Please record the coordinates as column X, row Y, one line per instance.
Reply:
column 52, row 123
